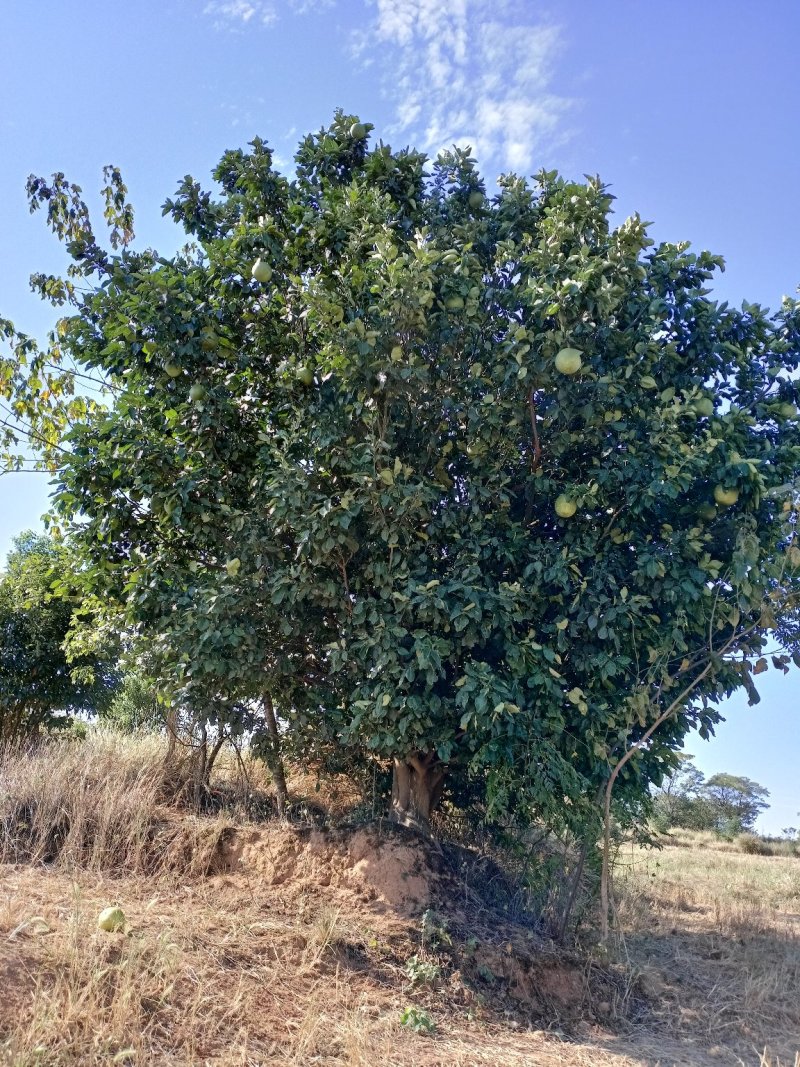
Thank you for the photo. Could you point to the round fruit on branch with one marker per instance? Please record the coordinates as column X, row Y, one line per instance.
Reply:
column 725, row 497
column 261, row 271
column 565, row 508
column 569, row 361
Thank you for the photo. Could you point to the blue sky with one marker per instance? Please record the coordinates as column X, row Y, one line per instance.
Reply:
column 690, row 112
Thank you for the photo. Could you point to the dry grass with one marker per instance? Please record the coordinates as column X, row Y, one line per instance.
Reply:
column 92, row 804
column 99, row 804
column 716, row 937
column 752, row 844
column 228, row 969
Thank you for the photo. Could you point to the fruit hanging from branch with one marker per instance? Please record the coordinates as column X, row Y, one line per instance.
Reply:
column 565, row 508
column 725, row 497
column 261, row 271
column 569, row 361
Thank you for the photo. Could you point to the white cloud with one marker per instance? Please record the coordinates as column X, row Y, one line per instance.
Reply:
column 235, row 14
column 241, row 14
column 470, row 72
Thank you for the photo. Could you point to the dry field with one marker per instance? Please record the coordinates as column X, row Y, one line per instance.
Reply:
column 260, row 943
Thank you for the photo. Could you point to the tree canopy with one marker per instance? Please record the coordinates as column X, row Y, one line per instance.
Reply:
column 482, row 485
column 41, row 683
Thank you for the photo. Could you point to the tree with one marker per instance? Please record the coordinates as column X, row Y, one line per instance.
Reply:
column 678, row 802
column 482, row 487
column 41, row 684
column 736, row 801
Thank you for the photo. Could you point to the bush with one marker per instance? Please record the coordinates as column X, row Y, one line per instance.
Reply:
column 753, row 845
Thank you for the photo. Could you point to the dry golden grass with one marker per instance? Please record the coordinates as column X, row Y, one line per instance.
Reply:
column 716, row 937
column 227, row 968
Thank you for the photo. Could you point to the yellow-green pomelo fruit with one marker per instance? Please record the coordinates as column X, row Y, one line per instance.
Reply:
column 454, row 303
column 261, row 271
column 475, row 199
column 172, row 369
column 305, row 375
column 111, row 920
column 197, row 392
column 704, row 406
column 569, row 361
column 358, row 130
column 565, row 508
column 726, row 497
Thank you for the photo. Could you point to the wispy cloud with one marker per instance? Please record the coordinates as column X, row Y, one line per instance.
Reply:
column 465, row 72
column 470, row 72
column 241, row 14
column 237, row 14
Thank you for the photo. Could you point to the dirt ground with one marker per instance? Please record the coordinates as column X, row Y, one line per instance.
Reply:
column 364, row 948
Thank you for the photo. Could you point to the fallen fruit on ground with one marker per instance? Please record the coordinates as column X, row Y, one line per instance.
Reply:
column 569, row 361
column 565, row 508
column 111, row 920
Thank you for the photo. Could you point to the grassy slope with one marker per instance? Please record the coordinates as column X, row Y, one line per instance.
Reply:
column 268, row 961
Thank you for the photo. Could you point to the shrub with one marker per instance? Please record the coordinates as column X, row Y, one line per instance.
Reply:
column 753, row 845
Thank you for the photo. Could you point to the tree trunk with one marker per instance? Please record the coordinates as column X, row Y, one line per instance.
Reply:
column 417, row 784
column 272, row 755
column 199, row 762
column 172, row 734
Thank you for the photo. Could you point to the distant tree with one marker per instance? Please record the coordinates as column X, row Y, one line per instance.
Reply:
column 735, row 802
column 41, row 684
column 135, row 705
column 678, row 801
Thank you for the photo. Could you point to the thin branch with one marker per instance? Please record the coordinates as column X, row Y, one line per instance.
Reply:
column 31, row 435
column 536, row 461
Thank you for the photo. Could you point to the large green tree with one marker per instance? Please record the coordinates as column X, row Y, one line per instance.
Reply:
column 735, row 802
column 42, row 685
column 486, row 487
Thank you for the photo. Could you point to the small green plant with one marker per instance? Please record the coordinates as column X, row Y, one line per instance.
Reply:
column 434, row 930
column 418, row 1020
column 422, row 972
